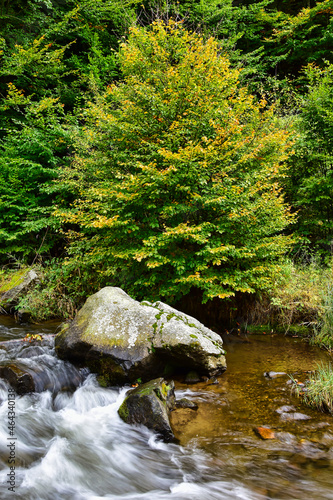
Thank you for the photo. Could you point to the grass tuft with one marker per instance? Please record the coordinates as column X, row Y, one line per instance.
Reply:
column 318, row 392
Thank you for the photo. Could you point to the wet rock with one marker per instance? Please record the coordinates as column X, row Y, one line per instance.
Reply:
column 23, row 316
column 272, row 375
column 294, row 416
column 264, row 433
column 322, row 463
column 149, row 405
column 30, row 366
column 327, row 439
column 35, row 378
column 192, row 378
column 213, row 381
column 20, row 378
column 186, row 403
column 124, row 340
column 17, row 347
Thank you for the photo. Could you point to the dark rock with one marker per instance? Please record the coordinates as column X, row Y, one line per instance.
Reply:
column 20, row 378
column 149, row 405
column 23, row 316
column 25, row 379
column 30, row 366
column 186, row 403
column 124, row 340
column 192, row 378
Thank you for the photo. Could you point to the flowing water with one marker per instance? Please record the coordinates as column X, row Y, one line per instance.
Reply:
column 72, row 444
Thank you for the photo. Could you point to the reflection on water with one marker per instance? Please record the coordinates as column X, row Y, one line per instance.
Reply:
column 74, row 445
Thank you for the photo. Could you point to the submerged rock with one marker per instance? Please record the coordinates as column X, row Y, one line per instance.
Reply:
column 192, row 378
column 149, row 405
column 124, row 340
column 285, row 409
column 264, row 433
column 294, row 416
column 186, row 403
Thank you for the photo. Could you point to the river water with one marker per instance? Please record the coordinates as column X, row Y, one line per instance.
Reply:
column 73, row 445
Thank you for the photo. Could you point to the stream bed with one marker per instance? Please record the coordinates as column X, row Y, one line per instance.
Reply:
column 73, row 445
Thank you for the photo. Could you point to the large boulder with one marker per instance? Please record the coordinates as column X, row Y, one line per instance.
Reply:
column 124, row 340
column 150, row 405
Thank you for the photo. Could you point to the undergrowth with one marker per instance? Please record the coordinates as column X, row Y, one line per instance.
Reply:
column 61, row 291
column 305, row 298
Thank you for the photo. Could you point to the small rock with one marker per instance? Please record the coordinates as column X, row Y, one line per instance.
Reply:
column 264, row 433
column 294, row 416
column 287, row 438
column 26, row 379
column 274, row 374
column 285, row 409
column 186, row 403
column 213, row 381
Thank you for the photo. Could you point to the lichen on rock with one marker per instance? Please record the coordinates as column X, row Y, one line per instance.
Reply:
column 123, row 340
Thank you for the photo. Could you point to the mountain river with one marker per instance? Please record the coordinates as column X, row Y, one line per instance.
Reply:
column 71, row 444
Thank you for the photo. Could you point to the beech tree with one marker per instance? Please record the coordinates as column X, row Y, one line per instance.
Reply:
column 178, row 169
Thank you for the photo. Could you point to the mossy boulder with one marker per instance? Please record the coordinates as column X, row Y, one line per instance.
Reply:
column 150, row 405
column 11, row 291
column 124, row 340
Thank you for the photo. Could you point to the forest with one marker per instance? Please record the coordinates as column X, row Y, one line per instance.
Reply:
column 181, row 150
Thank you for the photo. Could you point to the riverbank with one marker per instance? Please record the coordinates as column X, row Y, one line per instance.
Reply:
column 300, row 304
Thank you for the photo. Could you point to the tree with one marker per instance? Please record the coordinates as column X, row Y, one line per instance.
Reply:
column 179, row 169
column 310, row 187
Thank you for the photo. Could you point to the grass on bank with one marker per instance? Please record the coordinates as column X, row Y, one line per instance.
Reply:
column 305, row 299
column 318, row 391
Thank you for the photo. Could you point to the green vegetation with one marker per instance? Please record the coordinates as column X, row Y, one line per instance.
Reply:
column 170, row 148
column 318, row 391
column 180, row 167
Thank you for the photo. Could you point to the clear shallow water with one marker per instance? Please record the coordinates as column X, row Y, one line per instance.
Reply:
column 74, row 445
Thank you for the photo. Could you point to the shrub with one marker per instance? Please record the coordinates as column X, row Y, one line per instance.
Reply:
column 179, row 169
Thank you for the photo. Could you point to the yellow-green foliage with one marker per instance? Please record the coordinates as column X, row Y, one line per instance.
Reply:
column 179, row 169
